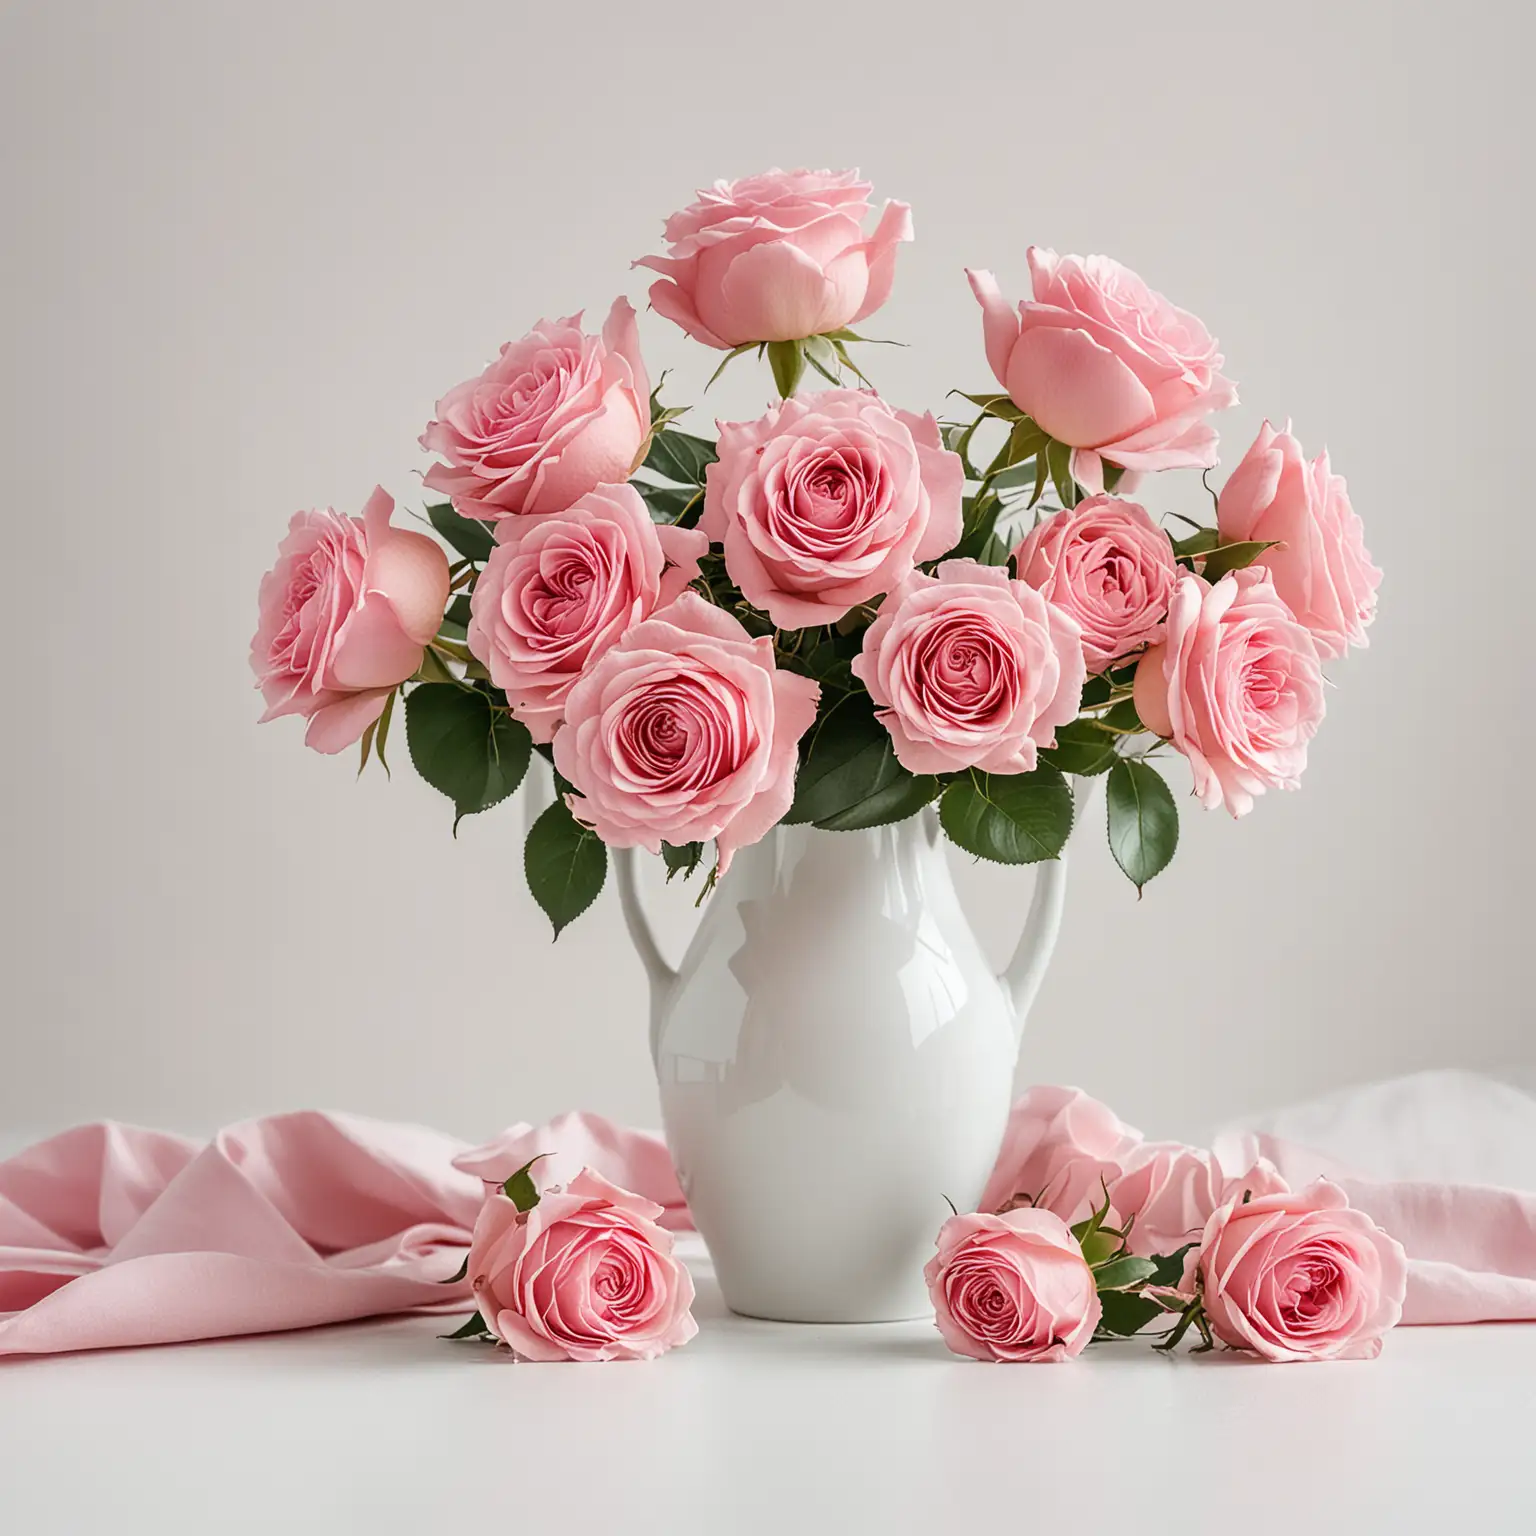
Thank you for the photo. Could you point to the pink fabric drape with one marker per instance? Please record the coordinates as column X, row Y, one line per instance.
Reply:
column 112, row 1235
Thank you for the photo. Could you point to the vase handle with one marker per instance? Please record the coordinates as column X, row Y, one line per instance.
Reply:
column 1024, row 973
column 657, row 971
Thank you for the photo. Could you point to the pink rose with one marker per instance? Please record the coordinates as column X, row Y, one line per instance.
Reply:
column 1060, row 1149
column 776, row 257
column 971, row 669
column 1299, row 1276
column 1168, row 1191
column 830, row 500
column 1108, row 565
column 558, row 413
column 1320, row 564
column 1103, row 363
column 344, row 616
column 1237, row 687
column 1013, row 1288
column 587, row 1274
column 685, row 731
column 558, row 591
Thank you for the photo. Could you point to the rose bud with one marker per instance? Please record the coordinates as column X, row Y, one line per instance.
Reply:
column 776, row 257
column 1105, row 364
column 1319, row 562
column 344, row 616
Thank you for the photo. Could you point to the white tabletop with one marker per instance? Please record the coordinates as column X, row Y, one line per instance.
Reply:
column 764, row 1427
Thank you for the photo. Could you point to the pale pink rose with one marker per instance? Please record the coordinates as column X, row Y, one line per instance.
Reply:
column 971, row 670
column 1103, row 363
column 1060, row 1150
column 685, row 731
column 558, row 591
column 1108, row 565
column 343, row 618
column 1168, row 1191
column 828, row 501
column 776, row 257
column 1299, row 1276
column 1237, row 687
column 1013, row 1288
column 1320, row 564
column 556, row 414
column 587, row 1274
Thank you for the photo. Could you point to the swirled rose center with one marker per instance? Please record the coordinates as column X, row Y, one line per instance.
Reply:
column 825, row 501
column 1310, row 1295
column 682, row 733
column 964, row 672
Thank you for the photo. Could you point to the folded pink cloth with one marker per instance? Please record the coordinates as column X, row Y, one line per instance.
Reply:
column 112, row 1235
column 1445, row 1162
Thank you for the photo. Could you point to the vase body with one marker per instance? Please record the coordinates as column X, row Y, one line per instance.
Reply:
column 835, row 1058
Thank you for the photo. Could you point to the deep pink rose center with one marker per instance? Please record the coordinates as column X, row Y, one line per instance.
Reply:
column 681, row 733
column 964, row 672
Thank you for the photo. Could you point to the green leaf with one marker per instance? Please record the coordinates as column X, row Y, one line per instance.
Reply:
column 1143, row 820
column 1125, row 1313
column 1122, row 1273
column 681, row 859
column 464, row 747
column 787, row 359
column 1201, row 542
column 667, row 503
column 978, row 530
column 1233, row 557
column 1058, row 458
column 460, row 1274
column 1024, row 442
column 1123, row 716
column 729, row 358
column 1096, row 691
column 1021, row 473
column 1081, row 748
column 895, row 802
column 680, row 457
column 1017, row 818
column 368, row 735
column 566, row 864
column 381, row 736
column 999, row 406
column 1170, row 1266
column 459, row 611
column 472, row 1327
column 822, row 356
column 433, row 668
column 1042, row 463
column 853, row 367
column 520, row 1189
column 470, row 536
column 1113, row 474
column 849, row 772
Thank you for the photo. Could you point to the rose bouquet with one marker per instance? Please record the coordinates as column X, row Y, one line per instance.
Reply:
column 843, row 611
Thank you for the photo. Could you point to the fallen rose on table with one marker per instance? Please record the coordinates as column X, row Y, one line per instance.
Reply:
column 1287, row 1276
column 579, row 1273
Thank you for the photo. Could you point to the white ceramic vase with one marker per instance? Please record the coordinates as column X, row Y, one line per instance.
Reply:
column 836, row 1062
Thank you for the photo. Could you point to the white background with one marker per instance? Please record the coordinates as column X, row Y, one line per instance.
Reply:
column 247, row 246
